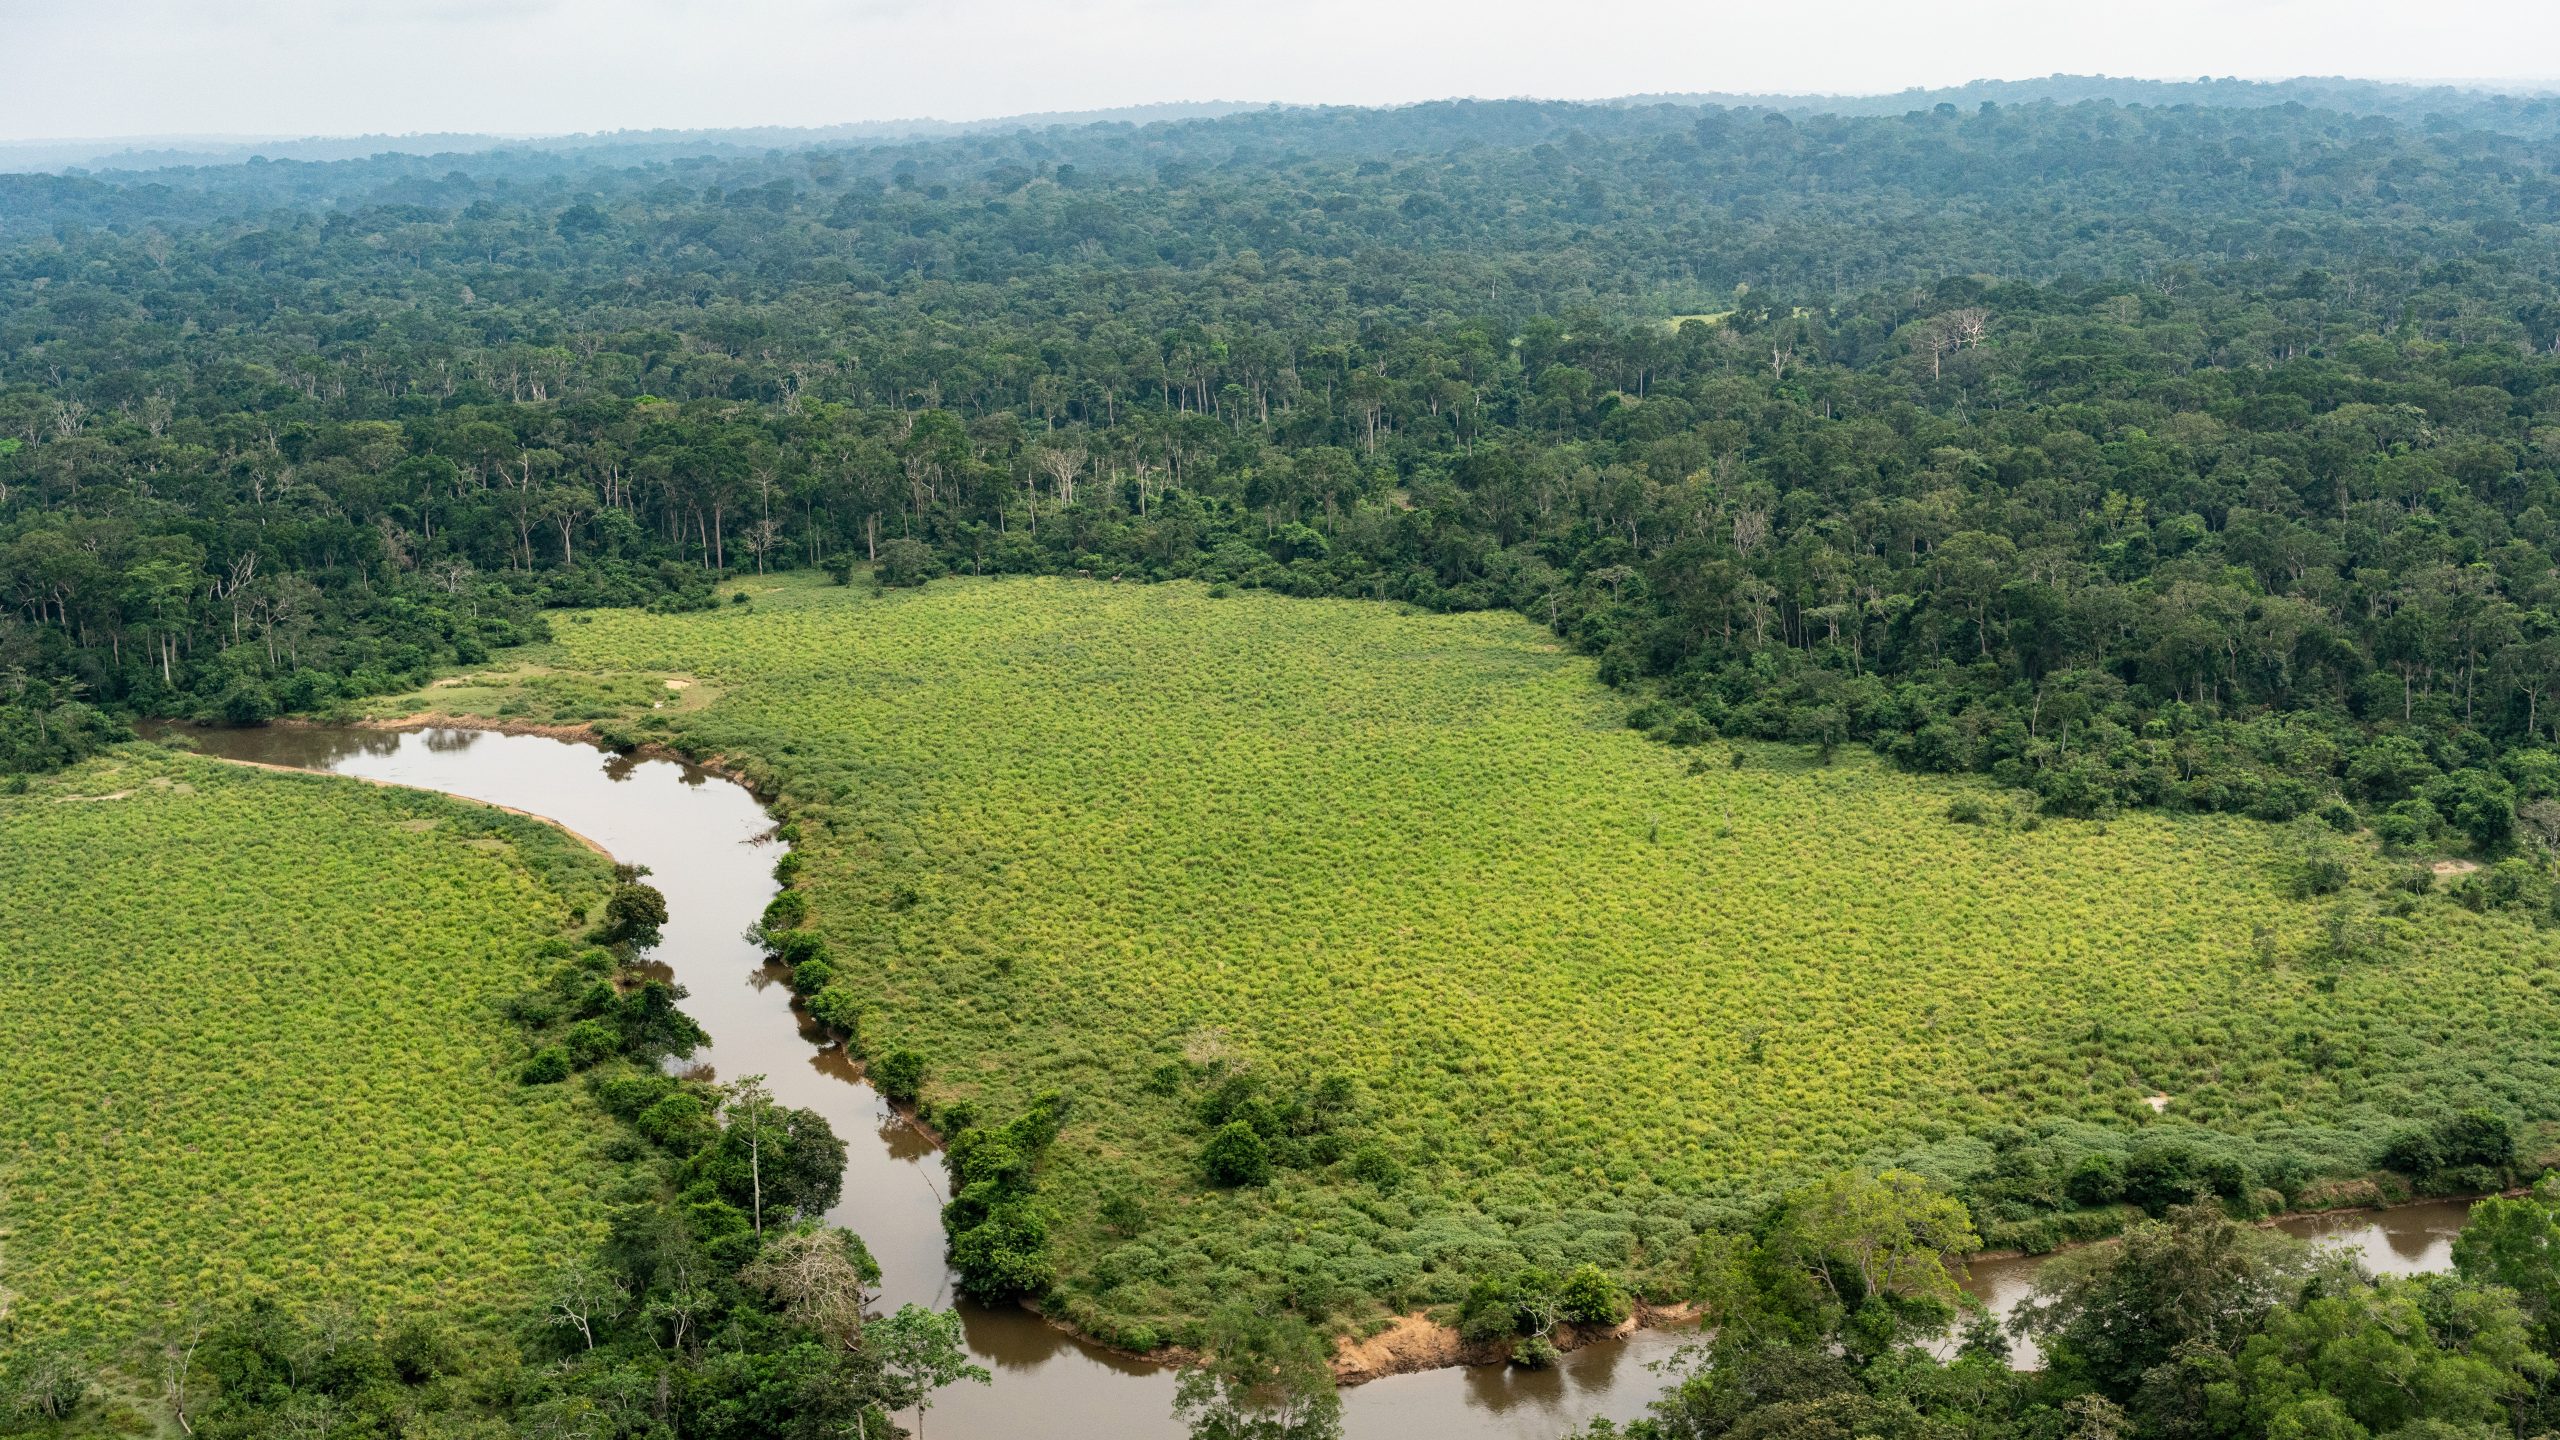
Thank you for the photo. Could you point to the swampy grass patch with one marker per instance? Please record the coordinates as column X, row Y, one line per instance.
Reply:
column 1594, row 991
column 250, row 1044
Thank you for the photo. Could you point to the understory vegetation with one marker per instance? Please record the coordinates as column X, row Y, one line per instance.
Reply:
column 1094, row 872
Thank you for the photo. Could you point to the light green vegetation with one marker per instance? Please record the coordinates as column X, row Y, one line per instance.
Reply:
column 249, row 1042
column 1596, row 991
column 534, row 694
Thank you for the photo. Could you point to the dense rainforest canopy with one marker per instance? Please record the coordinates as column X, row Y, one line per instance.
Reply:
column 2171, row 455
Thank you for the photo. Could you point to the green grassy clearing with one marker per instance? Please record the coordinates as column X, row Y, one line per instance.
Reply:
column 536, row 694
column 249, row 1042
column 1596, row 995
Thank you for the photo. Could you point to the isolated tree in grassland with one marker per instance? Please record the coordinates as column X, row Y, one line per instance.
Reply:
column 903, row 563
column 1236, row 1155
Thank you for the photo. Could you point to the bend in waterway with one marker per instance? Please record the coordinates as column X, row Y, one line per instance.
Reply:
column 709, row 847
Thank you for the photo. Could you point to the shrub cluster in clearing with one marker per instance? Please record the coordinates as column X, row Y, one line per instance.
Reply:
column 250, row 1040
column 1593, row 993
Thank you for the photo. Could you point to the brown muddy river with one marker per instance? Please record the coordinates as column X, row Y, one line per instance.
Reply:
column 708, row 846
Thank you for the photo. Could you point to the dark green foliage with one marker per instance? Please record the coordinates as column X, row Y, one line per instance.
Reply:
column 905, row 563
column 1521, row 1302
column 1236, row 1155
column 1004, row 1256
column 1261, row 1377
column 1372, row 1164
column 2112, row 1316
column 839, row 1008
column 630, row 1093
column 2478, row 804
column 2511, row 883
column 798, row 947
column 2472, row 1150
column 590, row 1042
column 2097, row 1179
column 899, row 1075
column 1295, row 1127
column 998, row 1235
column 633, row 914
column 2478, row 1138
column 549, row 1066
column 786, row 911
column 2161, row 1174
column 652, row 1026
column 2319, row 875
column 39, row 731
column 1589, row 1297
column 800, row 1161
column 2516, row 1243
column 681, row 1122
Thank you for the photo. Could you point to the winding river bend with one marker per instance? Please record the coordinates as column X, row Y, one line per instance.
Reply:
column 709, row 847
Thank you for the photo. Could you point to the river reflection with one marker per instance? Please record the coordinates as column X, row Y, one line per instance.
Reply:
column 710, row 848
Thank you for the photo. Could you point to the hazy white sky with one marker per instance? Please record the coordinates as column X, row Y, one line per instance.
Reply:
column 310, row 67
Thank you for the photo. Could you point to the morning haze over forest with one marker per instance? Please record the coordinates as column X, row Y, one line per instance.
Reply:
column 1816, row 749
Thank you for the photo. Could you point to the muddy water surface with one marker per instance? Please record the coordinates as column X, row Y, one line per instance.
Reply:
column 708, row 845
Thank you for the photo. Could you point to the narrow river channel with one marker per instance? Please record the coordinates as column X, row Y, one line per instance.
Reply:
column 709, row 846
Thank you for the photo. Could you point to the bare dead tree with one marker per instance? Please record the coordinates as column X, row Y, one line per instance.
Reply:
column 819, row 1279
column 1062, row 467
column 584, row 1297
column 1750, row 527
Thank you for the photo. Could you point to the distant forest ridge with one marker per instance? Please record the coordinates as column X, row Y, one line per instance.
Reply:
column 2528, row 108
column 156, row 153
